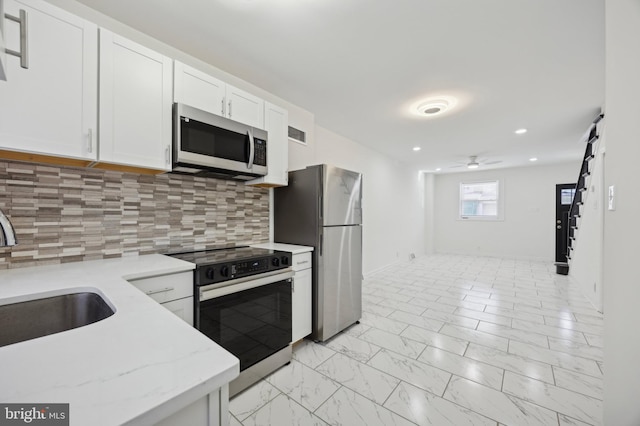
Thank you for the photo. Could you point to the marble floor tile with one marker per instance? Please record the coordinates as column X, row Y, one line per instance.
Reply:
column 367, row 381
column 426, row 409
column 347, row 408
column 568, row 421
column 383, row 323
column 489, row 302
column 561, row 400
column 484, row 316
column 577, row 349
column 462, row 304
column 437, row 340
column 376, row 309
column 513, row 334
column 393, row 342
column 477, row 331
column 353, row 347
column 580, row 383
column 559, row 359
column 402, row 306
column 595, row 319
column 311, row 354
column 575, row 325
column 547, row 330
column 475, row 336
column 535, row 369
column 497, row 405
column 451, row 318
column 303, row 384
column 411, row 371
column 594, row 340
column 462, row 366
column 512, row 313
column 250, row 400
column 421, row 321
column 283, row 411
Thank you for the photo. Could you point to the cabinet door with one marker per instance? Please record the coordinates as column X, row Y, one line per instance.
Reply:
column 301, row 305
column 182, row 308
column 276, row 123
column 51, row 107
column 135, row 104
column 245, row 107
column 3, row 55
column 198, row 89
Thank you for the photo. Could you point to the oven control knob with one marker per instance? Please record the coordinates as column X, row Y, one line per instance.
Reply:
column 210, row 273
column 284, row 260
column 224, row 271
column 275, row 261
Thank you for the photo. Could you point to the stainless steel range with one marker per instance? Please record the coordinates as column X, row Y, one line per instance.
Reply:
column 243, row 303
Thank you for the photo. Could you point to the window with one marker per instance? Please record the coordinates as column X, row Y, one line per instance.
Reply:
column 480, row 200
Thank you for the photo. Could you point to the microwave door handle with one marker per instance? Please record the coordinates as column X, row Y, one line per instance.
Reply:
column 251, row 149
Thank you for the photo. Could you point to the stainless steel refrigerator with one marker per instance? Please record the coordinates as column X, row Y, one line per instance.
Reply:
column 322, row 207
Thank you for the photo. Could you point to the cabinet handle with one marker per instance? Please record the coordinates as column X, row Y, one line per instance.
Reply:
column 23, row 53
column 164, row 290
column 90, row 147
column 222, row 106
column 302, row 263
column 167, row 155
column 229, row 108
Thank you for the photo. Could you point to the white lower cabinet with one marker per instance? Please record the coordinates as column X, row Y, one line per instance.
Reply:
column 135, row 104
column 211, row 410
column 301, row 299
column 173, row 291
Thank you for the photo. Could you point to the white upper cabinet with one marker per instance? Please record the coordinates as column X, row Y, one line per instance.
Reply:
column 135, row 104
column 276, row 121
column 50, row 107
column 245, row 107
column 203, row 91
column 3, row 54
column 198, row 89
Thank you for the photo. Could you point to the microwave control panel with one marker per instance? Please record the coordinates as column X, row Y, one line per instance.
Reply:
column 260, row 153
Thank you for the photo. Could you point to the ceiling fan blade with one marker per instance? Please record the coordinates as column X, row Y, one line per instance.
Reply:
column 455, row 167
column 492, row 162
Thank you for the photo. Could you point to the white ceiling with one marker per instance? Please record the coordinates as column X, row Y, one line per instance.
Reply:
column 359, row 65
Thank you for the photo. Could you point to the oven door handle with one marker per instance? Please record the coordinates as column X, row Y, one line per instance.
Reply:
column 234, row 286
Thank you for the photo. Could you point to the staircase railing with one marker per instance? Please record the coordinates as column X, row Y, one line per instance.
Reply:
column 582, row 186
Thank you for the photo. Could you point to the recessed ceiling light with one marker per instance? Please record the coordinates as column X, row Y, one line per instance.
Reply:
column 533, row 159
column 416, row 148
column 435, row 106
column 520, row 131
column 438, row 169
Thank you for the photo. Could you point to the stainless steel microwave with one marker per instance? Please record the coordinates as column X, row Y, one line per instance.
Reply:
column 210, row 145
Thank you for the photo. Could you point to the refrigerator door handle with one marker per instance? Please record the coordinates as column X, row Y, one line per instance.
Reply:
column 320, row 208
column 320, row 244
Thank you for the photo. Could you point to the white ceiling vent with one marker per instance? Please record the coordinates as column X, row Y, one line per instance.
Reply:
column 297, row 135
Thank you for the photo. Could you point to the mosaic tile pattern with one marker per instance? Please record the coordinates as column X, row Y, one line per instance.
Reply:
column 70, row 214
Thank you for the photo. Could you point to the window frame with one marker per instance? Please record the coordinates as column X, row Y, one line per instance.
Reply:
column 499, row 216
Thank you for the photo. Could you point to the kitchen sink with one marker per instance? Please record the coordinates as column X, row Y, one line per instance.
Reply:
column 41, row 317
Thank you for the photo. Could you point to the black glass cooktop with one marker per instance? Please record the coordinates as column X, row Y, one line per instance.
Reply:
column 223, row 255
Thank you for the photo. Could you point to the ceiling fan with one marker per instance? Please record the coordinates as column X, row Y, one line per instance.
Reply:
column 474, row 163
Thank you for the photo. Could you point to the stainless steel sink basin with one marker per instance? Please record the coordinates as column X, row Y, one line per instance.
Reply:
column 41, row 317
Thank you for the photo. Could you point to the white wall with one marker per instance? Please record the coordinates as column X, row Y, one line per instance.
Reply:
column 622, row 227
column 587, row 258
column 528, row 228
column 393, row 218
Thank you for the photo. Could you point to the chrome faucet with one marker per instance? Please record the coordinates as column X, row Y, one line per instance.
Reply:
column 7, row 233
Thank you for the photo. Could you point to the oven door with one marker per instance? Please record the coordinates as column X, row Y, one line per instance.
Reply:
column 250, row 317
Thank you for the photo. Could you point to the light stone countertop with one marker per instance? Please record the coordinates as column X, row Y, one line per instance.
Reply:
column 292, row 248
column 137, row 367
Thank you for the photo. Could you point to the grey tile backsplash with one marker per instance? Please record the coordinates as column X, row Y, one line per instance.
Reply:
column 65, row 214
